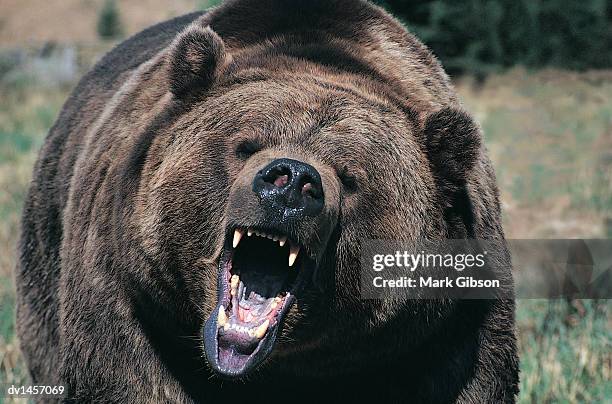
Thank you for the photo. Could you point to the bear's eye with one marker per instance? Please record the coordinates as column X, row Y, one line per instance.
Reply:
column 349, row 181
column 247, row 148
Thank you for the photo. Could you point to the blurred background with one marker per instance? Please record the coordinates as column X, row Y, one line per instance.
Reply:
column 537, row 74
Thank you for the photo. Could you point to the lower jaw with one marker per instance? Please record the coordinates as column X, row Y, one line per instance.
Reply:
column 227, row 362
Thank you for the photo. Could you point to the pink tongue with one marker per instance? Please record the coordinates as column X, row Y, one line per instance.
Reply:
column 245, row 315
column 250, row 309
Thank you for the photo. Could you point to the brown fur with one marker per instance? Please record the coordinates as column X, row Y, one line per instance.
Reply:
column 148, row 164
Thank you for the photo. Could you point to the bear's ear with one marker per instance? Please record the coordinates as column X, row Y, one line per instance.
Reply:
column 452, row 141
column 196, row 59
column 453, row 144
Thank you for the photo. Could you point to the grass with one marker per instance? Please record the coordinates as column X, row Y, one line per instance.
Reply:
column 24, row 121
column 565, row 351
column 549, row 135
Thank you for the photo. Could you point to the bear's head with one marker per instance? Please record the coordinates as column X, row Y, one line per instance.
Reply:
column 262, row 173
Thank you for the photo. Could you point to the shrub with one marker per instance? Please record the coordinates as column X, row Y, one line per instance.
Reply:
column 109, row 23
column 480, row 36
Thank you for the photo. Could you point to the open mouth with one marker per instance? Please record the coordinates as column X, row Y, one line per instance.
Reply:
column 260, row 273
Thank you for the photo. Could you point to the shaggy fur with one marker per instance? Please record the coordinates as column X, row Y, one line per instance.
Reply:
column 150, row 161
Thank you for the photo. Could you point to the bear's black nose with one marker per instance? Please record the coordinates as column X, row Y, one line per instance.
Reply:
column 290, row 187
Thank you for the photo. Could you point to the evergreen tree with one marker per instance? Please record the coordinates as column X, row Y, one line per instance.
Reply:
column 109, row 23
column 480, row 36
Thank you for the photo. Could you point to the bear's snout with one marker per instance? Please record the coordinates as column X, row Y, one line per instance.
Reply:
column 291, row 187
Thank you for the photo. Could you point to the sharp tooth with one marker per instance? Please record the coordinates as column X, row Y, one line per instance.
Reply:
column 249, row 232
column 293, row 253
column 275, row 238
column 237, row 236
column 261, row 330
column 234, row 281
column 251, row 333
column 282, row 241
column 221, row 317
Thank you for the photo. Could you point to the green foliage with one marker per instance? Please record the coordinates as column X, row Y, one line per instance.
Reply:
column 482, row 36
column 109, row 23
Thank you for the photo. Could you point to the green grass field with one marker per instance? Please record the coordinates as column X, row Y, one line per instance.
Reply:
column 550, row 137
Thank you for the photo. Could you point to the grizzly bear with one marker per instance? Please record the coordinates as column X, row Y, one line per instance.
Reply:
column 194, row 226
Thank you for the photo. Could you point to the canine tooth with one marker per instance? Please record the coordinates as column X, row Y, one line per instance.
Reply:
column 293, row 253
column 282, row 241
column 221, row 317
column 237, row 236
column 261, row 330
column 249, row 232
column 234, row 281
